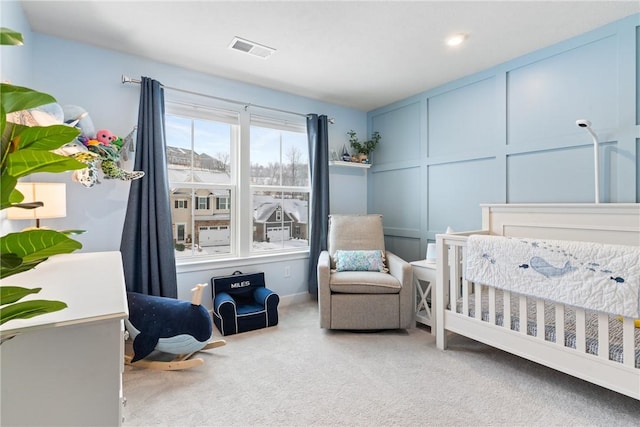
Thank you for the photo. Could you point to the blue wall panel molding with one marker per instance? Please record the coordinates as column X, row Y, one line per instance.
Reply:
column 404, row 121
column 397, row 197
column 544, row 99
column 463, row 119
column 508, row 135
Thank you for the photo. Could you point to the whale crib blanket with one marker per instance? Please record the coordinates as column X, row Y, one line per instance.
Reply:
column 589, row 275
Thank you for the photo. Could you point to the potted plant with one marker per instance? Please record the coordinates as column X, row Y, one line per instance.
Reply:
column 364, row 148
column 26, row 150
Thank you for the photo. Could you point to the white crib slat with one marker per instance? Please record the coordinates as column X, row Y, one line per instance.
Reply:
column 580, row 330
column 540, row 319
column 454, row 270
column 492, row 305
column 603, row 335
column 478, row 293
column 523, row 315
column 560, row 324
column 627, row 342
column 465, row 297
column 506, row 302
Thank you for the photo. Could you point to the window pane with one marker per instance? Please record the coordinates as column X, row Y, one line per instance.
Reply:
column 280, row 220
column 208, row 230
column 212, row 142
column 178, row 134
column 279, row 157
column 213, row 225
column 295, row 159
column 198, row 150
column 199, row 166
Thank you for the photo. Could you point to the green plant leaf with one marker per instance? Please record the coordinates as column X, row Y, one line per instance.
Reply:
column 28, row 309
column 29, row 205
column 26, row 162
column 47, row 137
column 7, row 193
column 69, row 232
column 34, row 246
column 11, row 294
column 18, row 98
column 24, row 151
column 10, row 37
column 19, row 268
column 10, row 260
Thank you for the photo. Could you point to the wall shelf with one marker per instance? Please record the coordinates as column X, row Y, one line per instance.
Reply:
column 349, row 164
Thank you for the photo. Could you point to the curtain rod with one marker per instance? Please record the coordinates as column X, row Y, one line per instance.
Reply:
column 127, row 79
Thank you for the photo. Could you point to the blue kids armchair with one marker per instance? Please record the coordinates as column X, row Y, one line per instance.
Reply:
column 241, row 303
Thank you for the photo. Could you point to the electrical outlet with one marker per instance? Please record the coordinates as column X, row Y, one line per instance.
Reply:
column 287, row 271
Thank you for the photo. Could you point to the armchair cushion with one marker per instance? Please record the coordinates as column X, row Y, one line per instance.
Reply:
column 361, row 260
column 364, row 282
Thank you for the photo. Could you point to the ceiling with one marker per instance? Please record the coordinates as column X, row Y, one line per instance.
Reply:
column 360, row 54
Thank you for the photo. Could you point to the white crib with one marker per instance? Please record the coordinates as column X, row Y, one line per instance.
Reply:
column 595, row 347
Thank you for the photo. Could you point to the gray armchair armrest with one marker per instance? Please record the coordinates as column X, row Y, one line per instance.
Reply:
column 401, row 270
column 324, row 291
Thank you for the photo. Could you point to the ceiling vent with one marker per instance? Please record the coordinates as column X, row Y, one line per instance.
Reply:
column 252, row 48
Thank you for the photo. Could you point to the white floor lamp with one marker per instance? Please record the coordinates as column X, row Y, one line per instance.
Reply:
column 596, row 161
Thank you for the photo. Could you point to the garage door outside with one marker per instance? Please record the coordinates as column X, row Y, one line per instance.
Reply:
column 278, row 234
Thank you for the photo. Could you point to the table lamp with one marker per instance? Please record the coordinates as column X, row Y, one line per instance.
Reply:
column 53, row 195
column 431, row 252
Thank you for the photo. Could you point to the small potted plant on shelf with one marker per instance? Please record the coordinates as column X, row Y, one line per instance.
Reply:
column 363, row 148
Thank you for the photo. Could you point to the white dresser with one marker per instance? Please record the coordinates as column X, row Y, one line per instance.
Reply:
column 65, row 368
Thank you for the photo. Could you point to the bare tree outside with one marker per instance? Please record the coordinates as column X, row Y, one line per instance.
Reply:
column 293, row 156
column 223, row 158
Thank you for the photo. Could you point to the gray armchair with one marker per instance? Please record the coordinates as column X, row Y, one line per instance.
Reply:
column 362, row 300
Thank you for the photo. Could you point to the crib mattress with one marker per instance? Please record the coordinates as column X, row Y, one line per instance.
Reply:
column 591, row 324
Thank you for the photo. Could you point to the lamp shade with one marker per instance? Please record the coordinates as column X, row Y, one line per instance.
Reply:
column 431, row 252
column 53, row 195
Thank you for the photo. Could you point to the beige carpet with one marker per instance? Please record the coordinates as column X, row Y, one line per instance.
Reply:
column 296, row 374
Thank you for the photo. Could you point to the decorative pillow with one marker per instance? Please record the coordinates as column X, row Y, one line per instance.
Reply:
column 360, row 260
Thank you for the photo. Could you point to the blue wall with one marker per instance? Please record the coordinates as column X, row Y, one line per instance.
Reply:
column 508, row 135
column 80, row 74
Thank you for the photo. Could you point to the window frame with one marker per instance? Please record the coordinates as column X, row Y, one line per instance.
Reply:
column 239, row 202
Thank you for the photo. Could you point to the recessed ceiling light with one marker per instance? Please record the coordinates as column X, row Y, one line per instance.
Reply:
column 456, row 39
column 252, row 48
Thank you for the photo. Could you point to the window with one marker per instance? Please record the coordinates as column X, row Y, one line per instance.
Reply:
column 202, row 203
column 264, row 209
column 279, row 184
column 222, row 203
column 200, row 146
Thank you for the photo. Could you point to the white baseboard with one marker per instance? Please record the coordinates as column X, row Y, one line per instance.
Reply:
column 294, row 299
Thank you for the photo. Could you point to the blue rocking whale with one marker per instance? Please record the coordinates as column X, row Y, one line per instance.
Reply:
column 170, row 326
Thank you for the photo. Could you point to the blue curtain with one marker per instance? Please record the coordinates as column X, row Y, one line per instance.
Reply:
column 147, row 237
column 317, row 132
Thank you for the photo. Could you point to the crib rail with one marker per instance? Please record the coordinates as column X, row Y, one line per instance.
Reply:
column 457, row 298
